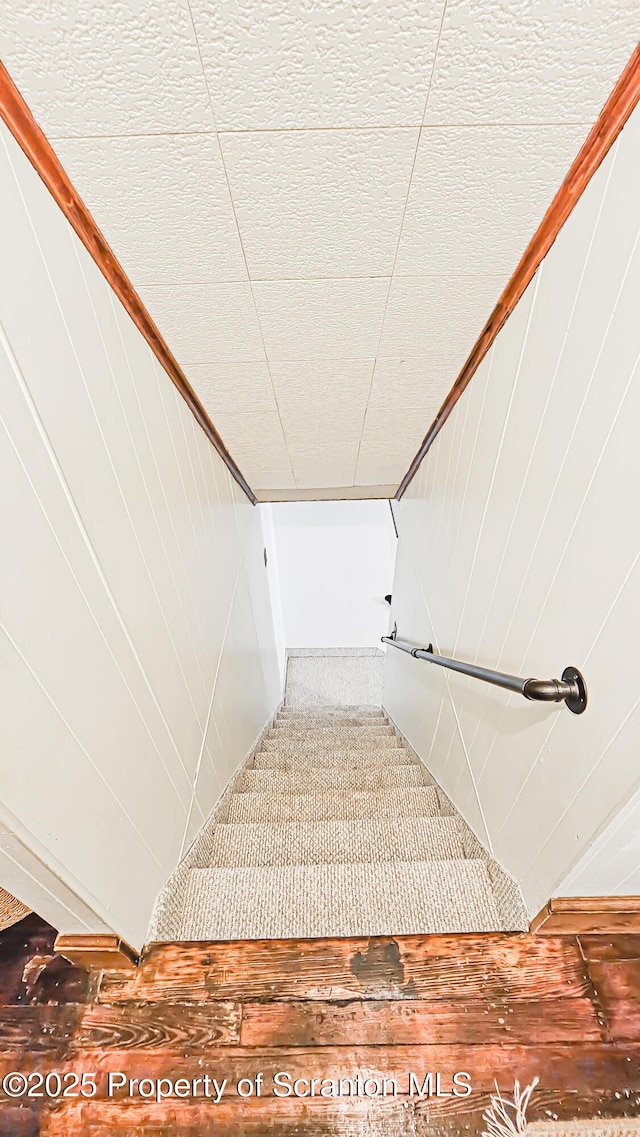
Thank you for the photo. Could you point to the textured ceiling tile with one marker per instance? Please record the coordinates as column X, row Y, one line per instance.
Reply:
column 389, row 442
column 320, row 203
column 107, row 66
column 268, row 479
column 284, row 63
column 405, row 426
column 207, row 323
column 377, row 467
column 309, row 319
column 164, row 202
column 418, row 383
column 518, row 61
column 478, row 194
column 340, row 450
column 328, row 456
column 257, row 434
column 337, row 443
column 436, row 320
column 336, row 386
column 233, row 388
column 257, row 443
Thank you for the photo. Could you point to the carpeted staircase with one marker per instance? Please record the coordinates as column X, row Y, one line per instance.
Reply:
column 335, row 829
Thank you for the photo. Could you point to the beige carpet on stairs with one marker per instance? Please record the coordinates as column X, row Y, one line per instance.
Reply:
column 334, row 828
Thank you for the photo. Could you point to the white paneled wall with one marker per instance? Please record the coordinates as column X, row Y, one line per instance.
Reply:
column 335, row 566
column 520, row 548
column 137, row 645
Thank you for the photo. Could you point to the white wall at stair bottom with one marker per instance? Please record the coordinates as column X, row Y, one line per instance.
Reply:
column 520, row 550
column 335, row 564
column 136, row 645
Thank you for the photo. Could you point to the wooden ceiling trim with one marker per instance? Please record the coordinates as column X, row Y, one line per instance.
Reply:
column 33, row 142
column 615, row 112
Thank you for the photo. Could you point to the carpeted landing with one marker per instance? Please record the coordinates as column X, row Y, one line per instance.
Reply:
column 335, row 829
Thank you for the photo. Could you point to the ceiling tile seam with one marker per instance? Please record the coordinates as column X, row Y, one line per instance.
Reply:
column 402, row 220
column 237, row 224
column 285, row 280
column 359, row 127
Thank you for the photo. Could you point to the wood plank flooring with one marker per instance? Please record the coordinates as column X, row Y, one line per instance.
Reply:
column 492, row 1007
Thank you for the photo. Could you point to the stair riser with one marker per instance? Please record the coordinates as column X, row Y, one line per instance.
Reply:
column 280, row 730
column 324, row 709
column 337, row 713
column 344, row 727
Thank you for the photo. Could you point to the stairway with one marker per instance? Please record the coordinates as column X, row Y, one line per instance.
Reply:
column 335, row 829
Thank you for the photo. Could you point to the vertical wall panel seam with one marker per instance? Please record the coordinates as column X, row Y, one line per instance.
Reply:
column 198, row 537
column 586, row 780
column 22, row 869
column 168, row 558
column 578, row 512
column 463, row 503
column 496, row 462
column 72, row 345
column 107, row 451
column 470, row 768
column 88, row 545
column 155, row 519
column 51, row 451
column 555, row 375
column 77, row 741
column 600, row 457
column 197, row 616
column 209, row 712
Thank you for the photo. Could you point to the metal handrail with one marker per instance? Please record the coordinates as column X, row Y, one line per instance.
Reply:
column 571, row 689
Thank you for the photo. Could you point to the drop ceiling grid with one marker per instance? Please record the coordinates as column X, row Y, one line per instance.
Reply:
column 319, row 242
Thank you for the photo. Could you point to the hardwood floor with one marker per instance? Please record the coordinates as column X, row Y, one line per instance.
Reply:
column 493, row 1007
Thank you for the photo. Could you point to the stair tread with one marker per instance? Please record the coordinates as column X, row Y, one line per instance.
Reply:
column 316, row 842
column 311, row 778
column 418, row 801
column 336, row 829
column 360, row 899
column 294, row 760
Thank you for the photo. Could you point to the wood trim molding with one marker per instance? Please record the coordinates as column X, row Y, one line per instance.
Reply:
column 588, row 915
column 97, row 953
column 330, row 493
column 617, row 109
column 18, row 118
